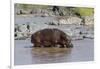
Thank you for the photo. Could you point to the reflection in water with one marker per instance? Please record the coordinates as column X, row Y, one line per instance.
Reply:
column 51, row 51
column 50, row 55
column 24, row 54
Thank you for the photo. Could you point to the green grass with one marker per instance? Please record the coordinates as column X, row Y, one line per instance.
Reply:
column 85, row 11
column 30, row 6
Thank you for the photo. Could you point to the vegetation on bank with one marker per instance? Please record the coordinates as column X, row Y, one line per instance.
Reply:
column 30, row 6
column 82, row 11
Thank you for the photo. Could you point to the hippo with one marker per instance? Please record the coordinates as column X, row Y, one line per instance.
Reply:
column 51, row 38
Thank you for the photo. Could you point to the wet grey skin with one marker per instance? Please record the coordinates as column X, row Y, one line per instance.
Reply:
column 51, row 38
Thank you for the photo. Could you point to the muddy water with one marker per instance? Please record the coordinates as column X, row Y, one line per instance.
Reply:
column 24, row 53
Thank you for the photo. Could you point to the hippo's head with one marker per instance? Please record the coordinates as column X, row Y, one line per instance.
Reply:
column 67, row 42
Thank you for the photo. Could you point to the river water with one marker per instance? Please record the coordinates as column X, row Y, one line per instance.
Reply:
column 83, row 50
column 24, row 54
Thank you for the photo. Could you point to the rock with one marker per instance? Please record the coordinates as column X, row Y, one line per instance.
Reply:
column 23, row 28
column 54, row 22
column 89, row 20
column 63, row 21
column 90, row 36
column 74, row 20
column 69, row 20
column 18, row 35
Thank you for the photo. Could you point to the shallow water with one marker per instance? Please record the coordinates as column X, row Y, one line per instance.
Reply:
column 83, row 50
column 24, row 54
column 31, row 19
